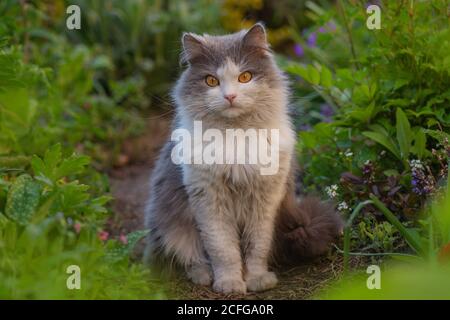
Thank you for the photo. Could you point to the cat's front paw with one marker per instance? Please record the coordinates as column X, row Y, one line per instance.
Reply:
column 200, row 274
column 262, row 281
column 230, row 285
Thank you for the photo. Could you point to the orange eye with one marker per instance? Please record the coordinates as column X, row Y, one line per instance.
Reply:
column 245, row 77
column 211, row 81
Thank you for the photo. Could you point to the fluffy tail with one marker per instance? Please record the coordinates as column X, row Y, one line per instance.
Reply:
column 305, row 229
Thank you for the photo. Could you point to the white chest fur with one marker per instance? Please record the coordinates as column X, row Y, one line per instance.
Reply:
column 240, row 155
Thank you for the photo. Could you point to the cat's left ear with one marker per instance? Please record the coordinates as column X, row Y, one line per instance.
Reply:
column 256, row 36
column 192, row 47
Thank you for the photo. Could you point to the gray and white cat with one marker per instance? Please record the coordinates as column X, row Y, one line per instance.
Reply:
column 226, row 222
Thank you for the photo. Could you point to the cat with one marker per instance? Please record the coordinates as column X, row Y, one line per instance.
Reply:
column 225, row 223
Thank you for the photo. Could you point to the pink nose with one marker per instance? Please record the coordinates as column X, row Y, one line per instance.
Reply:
column 230, row 97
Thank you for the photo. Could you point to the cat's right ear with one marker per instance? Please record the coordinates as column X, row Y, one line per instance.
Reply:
column 192, row 47
column 256, row 36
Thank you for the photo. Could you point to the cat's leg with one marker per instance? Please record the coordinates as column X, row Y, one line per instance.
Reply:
column 220, row 239
column 258, row 237
column 173, row 233
column 200, row 273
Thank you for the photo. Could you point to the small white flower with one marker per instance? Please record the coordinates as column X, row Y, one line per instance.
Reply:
column 332, row 191
column 416, row 164
column 348, row 153
column 343, row 206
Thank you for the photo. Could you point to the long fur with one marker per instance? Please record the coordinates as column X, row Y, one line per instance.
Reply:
column 223, row 222
column 304, row 229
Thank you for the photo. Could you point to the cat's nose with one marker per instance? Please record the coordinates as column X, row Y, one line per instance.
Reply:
column 230, row 97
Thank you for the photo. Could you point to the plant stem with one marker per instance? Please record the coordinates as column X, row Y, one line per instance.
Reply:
column 349, row 33
column 347, row 230
column 413, row 243
column 368, row 254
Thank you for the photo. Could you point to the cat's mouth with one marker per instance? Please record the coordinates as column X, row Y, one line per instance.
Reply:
column 232, row 111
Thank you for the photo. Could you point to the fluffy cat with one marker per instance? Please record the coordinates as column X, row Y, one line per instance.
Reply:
column 225, row 222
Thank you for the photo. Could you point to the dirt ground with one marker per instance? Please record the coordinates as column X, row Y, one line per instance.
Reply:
column 129, row 186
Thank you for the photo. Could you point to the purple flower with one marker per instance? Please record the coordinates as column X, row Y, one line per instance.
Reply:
column 322, row 30
column 326, row 110
column 421, row 182
column 305, row 127
column 312, row 39
column 298, row 49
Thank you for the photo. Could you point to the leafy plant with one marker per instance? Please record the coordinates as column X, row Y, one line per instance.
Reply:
column 23, row 199
column 51, row 222
column 418, row 277
column 387, row 98
column 54, row 201
column 402, row 147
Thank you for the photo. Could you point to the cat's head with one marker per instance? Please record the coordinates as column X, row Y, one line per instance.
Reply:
column 229, row 76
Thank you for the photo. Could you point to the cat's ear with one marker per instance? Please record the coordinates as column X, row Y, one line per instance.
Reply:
column 192, row 47
column 256, row 36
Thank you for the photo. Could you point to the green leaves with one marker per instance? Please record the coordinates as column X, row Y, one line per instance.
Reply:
column 402, row 147
column 420, row 141
column 23, row 199
column 51, row 93
column 52, row 167
column 121, row 251
column 298, row 70
column 17, row 114
column 363, row 114
column 313, row 75
column 404, row 135
column 316, row 76
column 385, row 141
column 69, row 197
column 17, row 110
column 325, row 77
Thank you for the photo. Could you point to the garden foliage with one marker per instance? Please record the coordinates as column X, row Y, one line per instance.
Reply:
column 379, row 105
column 372, row 108
column 53, row 203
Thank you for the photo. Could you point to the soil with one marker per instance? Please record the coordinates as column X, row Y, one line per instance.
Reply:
column 129, row 186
